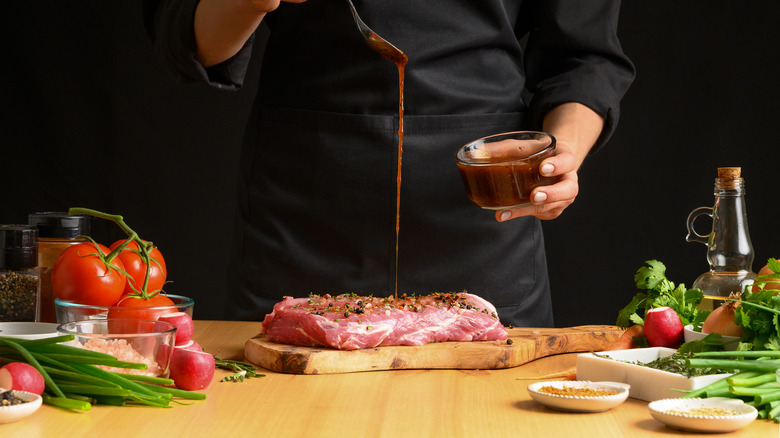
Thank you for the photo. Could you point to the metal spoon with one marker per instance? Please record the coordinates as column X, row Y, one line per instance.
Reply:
column 376, row 42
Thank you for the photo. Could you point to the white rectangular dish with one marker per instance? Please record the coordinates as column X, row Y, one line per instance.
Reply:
column 647, row 384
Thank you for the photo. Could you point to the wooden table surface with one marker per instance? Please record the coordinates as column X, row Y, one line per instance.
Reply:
column 435, row 403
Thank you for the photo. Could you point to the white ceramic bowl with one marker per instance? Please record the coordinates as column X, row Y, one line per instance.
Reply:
column 9, row 414
column 690, row 414
column 647, row 383
column 572, row 403
column 28, row 330
column 729, row 342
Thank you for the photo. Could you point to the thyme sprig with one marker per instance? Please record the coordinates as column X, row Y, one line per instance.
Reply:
column 242, row 370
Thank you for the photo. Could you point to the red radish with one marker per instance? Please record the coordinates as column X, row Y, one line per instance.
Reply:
column 20, row 376
column 663, row 328
column 192, row 370
column 191, row 345
column 184, row 326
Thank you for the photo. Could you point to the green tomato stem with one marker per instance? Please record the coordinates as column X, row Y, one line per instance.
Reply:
column 143, row 245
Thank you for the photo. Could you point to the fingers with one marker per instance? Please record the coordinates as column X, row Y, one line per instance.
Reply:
column 547, row 202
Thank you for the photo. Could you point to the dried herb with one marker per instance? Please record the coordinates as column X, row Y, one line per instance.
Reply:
column 674, row 363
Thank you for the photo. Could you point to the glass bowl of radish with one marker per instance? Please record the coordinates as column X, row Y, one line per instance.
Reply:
column 144, row 346
column 69, row 312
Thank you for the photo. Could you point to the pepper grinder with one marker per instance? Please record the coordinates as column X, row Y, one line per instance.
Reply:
column 729, row 249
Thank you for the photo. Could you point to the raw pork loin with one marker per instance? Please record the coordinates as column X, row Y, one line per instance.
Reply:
column 350, row 322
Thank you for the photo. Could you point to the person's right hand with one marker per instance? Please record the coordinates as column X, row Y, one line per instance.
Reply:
column 222, row 27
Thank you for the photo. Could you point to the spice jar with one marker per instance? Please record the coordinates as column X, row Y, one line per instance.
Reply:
column 56, row 232
column 19, row 278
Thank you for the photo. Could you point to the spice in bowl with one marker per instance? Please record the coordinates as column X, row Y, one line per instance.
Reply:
column 579, row 395
column 577, row 391
column 9, row 398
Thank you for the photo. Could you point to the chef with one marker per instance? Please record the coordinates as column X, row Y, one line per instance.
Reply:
column 317, row 190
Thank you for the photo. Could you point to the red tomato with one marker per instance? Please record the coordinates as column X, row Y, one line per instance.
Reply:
column 135, row 307
column 81, row 276
column 135, row 266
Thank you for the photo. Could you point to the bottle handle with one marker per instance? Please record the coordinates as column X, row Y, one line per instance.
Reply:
column 693, row 236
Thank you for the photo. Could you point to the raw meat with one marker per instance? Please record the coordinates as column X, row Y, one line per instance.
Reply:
column 350, row 322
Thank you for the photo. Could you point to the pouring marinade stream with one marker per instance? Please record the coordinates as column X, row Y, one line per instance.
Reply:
column 401, row 64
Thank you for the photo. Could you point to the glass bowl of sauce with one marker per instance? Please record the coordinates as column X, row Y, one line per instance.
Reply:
column 501, row 170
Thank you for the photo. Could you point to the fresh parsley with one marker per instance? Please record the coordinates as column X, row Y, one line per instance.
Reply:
column 759, row 312
column 658, row 291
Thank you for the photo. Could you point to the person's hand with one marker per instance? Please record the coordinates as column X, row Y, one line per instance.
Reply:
column 270, row 5
column 548, row 202
column 222, row 27
column 576, row 129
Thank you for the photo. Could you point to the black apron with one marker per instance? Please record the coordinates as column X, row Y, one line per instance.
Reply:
column 318, row 185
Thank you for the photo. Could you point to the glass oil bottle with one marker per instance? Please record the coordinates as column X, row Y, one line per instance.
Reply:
column 729, row 248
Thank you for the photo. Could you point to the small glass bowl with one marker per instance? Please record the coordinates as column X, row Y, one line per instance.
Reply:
column 69, row 312
column 129, row 340
column 501, row 170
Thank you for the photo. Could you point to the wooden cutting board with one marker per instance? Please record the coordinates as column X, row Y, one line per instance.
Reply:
column 527, row 345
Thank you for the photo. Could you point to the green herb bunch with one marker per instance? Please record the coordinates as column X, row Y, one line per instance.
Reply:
column 759, row 312
column 659, row 291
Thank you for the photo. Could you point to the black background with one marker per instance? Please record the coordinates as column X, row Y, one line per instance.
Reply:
column 93, row 119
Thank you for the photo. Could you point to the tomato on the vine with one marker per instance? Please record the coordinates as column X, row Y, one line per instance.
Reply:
column 136, row 307
column 82, row 275
column 135, row 266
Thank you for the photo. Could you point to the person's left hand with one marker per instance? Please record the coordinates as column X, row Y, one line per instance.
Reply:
column 576, row 129
column 548, row 202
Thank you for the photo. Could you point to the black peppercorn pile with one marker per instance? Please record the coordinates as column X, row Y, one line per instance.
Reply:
column 18, row 295
column 8, row 398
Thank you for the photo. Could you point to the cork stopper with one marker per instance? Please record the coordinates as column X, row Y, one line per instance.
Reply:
column 729, row 172
column 729, row 178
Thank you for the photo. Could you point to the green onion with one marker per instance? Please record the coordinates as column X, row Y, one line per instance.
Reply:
column 74, row 379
